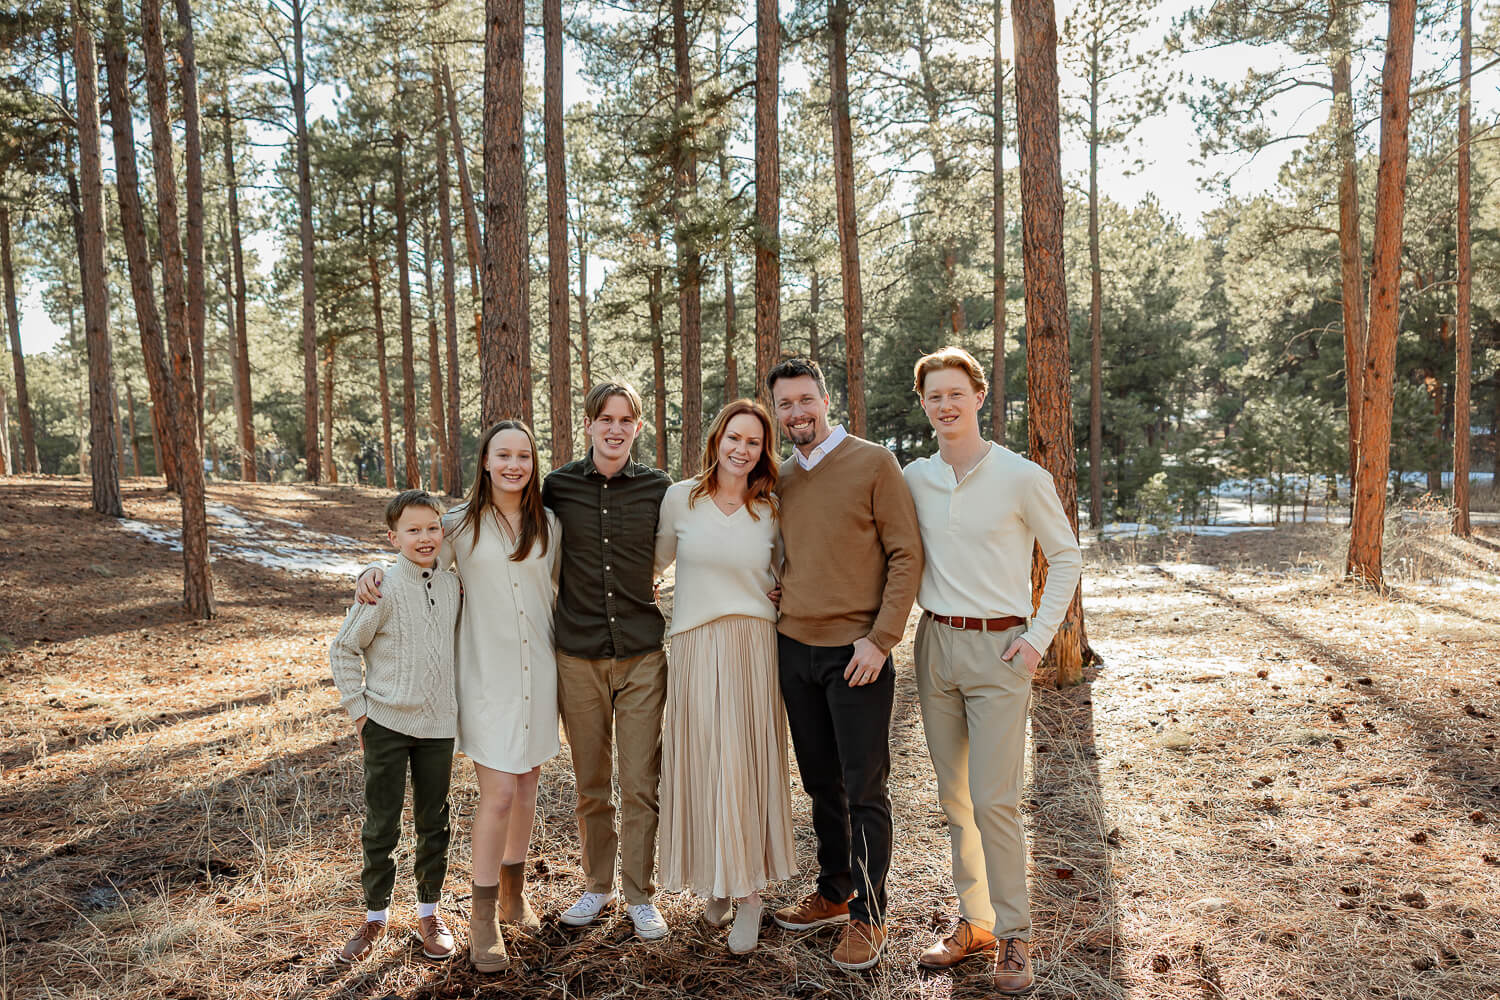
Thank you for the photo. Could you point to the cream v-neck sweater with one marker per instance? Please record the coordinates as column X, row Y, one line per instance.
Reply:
column 725, row 562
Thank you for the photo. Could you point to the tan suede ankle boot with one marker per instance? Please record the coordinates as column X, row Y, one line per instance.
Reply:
column 486, row 947
column 513, row 906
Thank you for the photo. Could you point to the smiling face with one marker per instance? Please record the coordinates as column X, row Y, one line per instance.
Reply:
column 951, row 402
column 509, row 463
column 801, row 409
column 741, row 446
column 613, row 431
column 418, row 534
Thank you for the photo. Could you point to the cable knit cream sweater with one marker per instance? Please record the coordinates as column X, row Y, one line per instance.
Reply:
column 406, row 641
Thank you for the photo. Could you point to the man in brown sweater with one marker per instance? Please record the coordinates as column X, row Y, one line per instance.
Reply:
column 853, row 566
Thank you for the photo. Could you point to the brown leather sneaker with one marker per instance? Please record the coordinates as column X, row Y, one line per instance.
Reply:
column 812, row 911
column 1013, row 969
column 965, row 940
column 361, row 944
column 436, row 938
column 860, row 946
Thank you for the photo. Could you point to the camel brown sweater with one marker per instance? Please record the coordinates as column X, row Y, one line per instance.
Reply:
column 853, row 558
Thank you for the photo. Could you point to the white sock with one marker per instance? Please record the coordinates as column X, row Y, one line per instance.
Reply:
column 380, row 915
column 426, row 910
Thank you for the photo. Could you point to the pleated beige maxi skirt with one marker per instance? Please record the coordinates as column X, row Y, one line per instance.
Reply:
column 726, row 810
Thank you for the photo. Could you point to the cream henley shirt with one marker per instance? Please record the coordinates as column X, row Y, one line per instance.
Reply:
column 978, row 536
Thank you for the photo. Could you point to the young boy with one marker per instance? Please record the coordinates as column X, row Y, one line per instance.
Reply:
column 402, row 702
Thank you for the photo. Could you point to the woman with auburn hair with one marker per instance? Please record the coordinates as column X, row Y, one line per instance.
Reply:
column 504, row 545
column 726, row 827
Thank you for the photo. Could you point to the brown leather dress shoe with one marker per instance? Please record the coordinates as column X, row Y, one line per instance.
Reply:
column 361, row 944
column 814, row 910
column 436, row 938
column 965, row 940
column 860, row 946
column 1013, row 969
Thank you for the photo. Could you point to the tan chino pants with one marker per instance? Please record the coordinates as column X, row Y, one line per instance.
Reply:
column 604, row 703
column 974, row 711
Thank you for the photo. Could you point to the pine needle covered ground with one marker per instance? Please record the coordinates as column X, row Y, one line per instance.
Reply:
column 1275, row 786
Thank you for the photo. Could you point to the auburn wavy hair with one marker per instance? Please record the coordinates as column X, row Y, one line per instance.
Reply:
column 762, row 478
column 481, row 498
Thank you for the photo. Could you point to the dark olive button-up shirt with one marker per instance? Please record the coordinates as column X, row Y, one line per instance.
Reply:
column 605, row 601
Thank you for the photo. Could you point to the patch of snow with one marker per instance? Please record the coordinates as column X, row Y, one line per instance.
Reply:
column 271, row 541
column 1132, row 529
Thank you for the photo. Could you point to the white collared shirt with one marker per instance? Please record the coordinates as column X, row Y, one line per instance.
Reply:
column 829, row 443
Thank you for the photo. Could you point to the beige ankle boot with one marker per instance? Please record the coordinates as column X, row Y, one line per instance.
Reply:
column 513, row 906
column 486, row 947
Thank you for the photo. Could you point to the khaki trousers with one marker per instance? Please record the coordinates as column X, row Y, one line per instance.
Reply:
column 974, row 711
column 603, row 702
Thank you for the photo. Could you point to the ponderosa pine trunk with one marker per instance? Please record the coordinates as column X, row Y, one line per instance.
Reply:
column 27, row 459
column 1377, row 390
column 434, row 368
column 848, row 227
column 731, row 363
column 1049, row 404
column 135, row 440
column 452, row 475
column 137, row 251
column 388, row 455
column 505, row 349
column 104, row 459
column 1096, row 302
column 658, row 361
column 198, row 590
column 1463, row 365
column 689, row 267
column 767, row 193
column 192, row 157
column 814, row 306
column 413, row 476
column 585, row 363
column 305, row 241
column 470, row 210
column 5, row 464
column 997, row 367
column 559, row 368
column 244, row 407
column 330, row 467
column 1351, row 249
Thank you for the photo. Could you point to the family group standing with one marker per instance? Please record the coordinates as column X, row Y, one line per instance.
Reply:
column 793, row 586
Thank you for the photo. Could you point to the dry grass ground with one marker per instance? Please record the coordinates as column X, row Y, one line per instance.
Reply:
column 1276, row 786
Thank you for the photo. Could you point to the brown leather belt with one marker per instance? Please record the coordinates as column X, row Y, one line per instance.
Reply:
column 978, row 624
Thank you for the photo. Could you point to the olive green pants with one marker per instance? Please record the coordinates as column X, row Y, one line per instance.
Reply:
column 388, row 755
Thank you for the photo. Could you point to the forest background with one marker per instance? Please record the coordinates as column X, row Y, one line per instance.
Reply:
column 337, row 182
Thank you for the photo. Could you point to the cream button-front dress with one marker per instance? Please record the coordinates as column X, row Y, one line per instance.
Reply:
column 506, row 674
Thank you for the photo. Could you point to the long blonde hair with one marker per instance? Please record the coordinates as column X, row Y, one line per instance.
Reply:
column 761, row 483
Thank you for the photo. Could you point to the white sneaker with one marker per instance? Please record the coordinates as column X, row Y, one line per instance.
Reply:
column 649, row 926
column 587, row 909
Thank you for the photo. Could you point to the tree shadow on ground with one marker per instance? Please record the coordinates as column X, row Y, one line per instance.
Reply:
column 162, row 720
column 1466, row 765
column 147, row 846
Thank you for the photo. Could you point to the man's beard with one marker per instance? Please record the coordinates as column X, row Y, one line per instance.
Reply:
column 803, row 437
